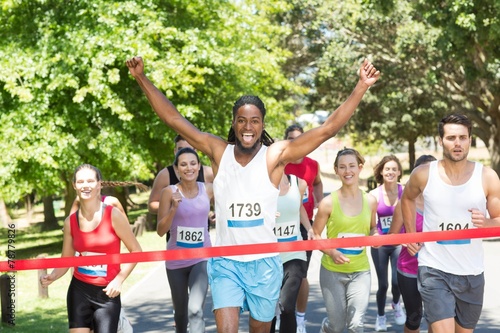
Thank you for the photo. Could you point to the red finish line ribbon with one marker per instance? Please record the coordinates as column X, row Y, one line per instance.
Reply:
column 219, row 251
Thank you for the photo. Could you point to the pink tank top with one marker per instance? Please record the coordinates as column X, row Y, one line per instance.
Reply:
column 385, row 212
column 408, row 264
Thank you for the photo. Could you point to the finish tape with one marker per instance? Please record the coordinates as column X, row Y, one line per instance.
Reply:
column 227, row 251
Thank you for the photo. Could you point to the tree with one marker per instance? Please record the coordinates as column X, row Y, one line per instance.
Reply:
column 401, row 106
column 68, row 98
column 469, row 62
column 436, row 57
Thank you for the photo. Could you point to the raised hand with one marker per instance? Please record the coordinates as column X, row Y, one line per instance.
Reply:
column 368, row 74
column 135, row 66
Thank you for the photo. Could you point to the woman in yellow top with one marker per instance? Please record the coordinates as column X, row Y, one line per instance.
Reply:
column 345, row 272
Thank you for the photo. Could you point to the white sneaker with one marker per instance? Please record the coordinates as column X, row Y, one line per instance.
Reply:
column 302, row 328
column 399, row 314
column 323, row 324
column 380, row 324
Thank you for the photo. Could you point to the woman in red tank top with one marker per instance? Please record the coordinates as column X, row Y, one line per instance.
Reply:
column 93, row 300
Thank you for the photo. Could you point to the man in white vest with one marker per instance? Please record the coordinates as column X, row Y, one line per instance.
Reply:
column 458, row 194
column 248, row 168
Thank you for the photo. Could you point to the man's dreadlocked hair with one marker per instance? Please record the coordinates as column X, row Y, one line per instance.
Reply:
column 265, row 138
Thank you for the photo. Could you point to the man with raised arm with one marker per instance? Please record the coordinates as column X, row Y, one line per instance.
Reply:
column 248, row 168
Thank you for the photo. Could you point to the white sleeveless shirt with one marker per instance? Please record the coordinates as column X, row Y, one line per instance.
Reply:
column 245, row 203
column 446, row 208
column 288, row 222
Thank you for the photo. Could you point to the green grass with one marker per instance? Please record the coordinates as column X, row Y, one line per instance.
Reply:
column 35, row 314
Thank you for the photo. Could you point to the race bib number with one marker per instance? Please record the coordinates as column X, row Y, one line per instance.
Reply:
column 244, row 215
column 92, row 270
column 190, row 237
column 460, row 225
column 355, row 250
column 286, row 232
column 385, row 223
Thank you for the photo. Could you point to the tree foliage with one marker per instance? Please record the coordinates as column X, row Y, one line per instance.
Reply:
column 67, row 98
column 436, row 57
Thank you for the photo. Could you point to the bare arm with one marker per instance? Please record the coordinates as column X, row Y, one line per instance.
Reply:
column 162, row 180
column 318, row 188
column 67, row 251
column 324, row 211
column 397, row 219
column 122, row 229
column 414, row 187
column 312, row 139
column 372, row 202
column 169, row 201
column 491, row 184
column 209, row 144
column 304, row 219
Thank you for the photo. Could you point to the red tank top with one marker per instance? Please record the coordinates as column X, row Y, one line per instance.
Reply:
column 308, row 169
column 100, row 241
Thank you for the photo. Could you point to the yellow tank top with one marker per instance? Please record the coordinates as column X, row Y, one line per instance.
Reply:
column 340, row 225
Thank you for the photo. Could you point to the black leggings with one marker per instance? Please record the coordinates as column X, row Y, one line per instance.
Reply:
column 412, row 300
column 293, row 273
column 382, row 256
column 89, row 306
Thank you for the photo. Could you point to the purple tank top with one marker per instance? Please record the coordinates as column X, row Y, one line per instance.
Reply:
column 385, row 212
column 408, row 264
column 189, row 227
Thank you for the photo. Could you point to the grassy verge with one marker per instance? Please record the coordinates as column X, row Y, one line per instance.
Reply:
column 35, row 314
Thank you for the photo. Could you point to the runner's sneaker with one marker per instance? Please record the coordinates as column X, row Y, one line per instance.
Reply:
column 302, row 327
column 380, row 324
column 399, row 314
column 323, row 324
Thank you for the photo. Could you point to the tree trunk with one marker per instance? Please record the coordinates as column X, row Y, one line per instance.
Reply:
column 28, row 203
column 4, row 214
column 494, row 147
column 411, row 153
column 69, row 197
column 49, row 217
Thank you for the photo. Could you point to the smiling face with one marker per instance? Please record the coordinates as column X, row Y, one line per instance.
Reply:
column 86, row 184
column 187, row 166
column 455, row 142
column 248, row 126
column 391, row 172
column 348, row 169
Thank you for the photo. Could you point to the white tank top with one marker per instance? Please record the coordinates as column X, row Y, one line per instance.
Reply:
column 245, row 203
column 446, row 208
column 288, row 223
